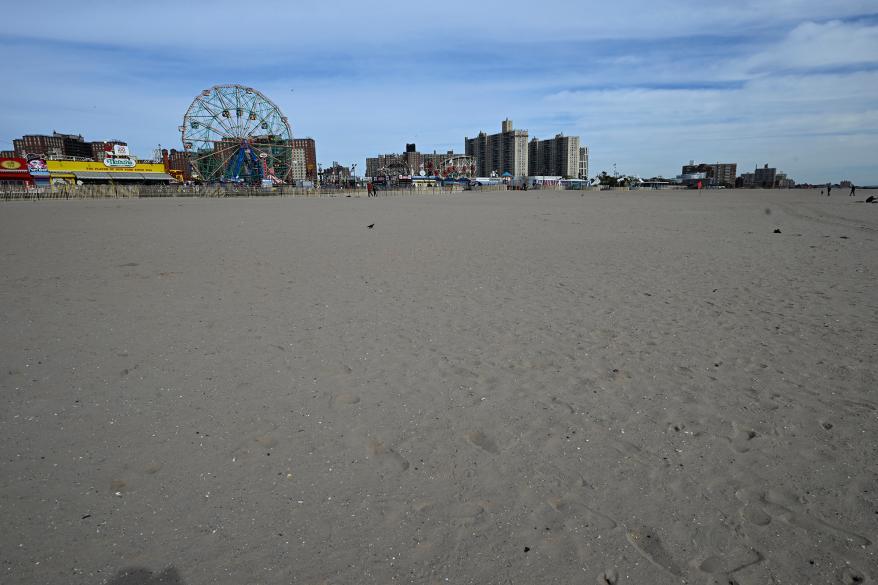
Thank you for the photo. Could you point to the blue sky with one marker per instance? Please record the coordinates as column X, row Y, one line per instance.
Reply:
column 647, row 84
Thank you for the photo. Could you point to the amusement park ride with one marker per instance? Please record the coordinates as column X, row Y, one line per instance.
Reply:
column 234, row 134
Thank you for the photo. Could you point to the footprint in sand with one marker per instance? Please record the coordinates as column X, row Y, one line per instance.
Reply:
column 347, row 399
column 730, row 562
column 570, row 507
column 480, row 440
column 851, row 576
column 565, row 406
column 788, row 511
column 740, row 441
column 647, row 543
column 266, row 441
column 385, row 457
column 153, row 468
column 755, row 515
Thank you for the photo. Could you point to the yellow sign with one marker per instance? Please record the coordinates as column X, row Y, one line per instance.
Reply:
column 10, row 164
column 56, row 166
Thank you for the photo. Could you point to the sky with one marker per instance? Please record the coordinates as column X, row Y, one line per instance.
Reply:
column 648, row 85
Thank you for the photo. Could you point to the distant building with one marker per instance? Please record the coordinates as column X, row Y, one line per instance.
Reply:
column 784, row 182
column 99, row 147
column 558, row 156
column 715, row 173
column 746, row 181
column 506, row 152
column 412, row 162
column 178, row 164
column 309, row 148
column 7, row 154
column 583, row 162
column 377, row 165
column 298, row 170
column 337, row 175
column 765, row 177
column 62, row 146
column 48, row 146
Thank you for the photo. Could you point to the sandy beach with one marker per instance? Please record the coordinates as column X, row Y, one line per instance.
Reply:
column 501, row 387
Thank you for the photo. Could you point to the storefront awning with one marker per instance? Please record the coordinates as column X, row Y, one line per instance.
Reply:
column 92, row 175
column 125, row 176
column 115, row 177
column 157, row 176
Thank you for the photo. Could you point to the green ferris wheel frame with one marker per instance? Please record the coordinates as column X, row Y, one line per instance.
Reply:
column 226, row 118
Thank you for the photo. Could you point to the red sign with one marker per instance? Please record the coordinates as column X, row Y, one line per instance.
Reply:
column 14, row 169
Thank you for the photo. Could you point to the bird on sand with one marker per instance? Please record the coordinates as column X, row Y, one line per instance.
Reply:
column 777, row 230
column 371, row 225
column 870, row 199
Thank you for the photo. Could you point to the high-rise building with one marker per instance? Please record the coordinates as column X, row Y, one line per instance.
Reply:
column 298, row 171
column 583, row 162
column 309, row 147
column 558, row 156
column 506, row 152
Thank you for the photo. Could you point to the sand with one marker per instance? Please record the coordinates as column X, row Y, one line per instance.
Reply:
column 522, row 387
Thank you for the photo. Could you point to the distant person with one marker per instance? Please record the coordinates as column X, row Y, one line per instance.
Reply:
column 853, row 191
column 829, row 189
column 369, row 189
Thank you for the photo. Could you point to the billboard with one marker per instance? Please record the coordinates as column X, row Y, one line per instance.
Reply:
column 120, row 150
column 37, row 167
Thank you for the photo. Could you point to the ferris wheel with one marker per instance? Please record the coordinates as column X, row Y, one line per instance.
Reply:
column 235, row 134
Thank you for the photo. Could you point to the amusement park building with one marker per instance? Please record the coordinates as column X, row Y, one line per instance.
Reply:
column 506, row 152
column 556, row 156
column 139, row 172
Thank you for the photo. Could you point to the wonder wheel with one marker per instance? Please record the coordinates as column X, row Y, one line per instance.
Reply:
column 235, row 134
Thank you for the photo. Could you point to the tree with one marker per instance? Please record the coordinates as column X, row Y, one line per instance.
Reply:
column 607, row 179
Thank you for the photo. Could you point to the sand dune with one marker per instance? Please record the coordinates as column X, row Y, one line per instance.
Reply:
column 521, row 387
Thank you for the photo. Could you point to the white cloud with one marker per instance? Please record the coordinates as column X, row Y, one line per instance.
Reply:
column 813, row 45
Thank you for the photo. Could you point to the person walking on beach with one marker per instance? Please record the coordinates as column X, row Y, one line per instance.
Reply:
column 828, row 189
column 853, row 192
column 370, row 189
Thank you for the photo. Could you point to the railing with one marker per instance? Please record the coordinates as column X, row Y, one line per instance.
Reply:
column 16, row 193
column 19, row 193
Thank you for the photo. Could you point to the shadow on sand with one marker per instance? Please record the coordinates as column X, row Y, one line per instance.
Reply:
column 141, row 576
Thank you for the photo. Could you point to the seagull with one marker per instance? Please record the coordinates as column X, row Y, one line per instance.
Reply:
column 371, row 225
column 870, row 199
